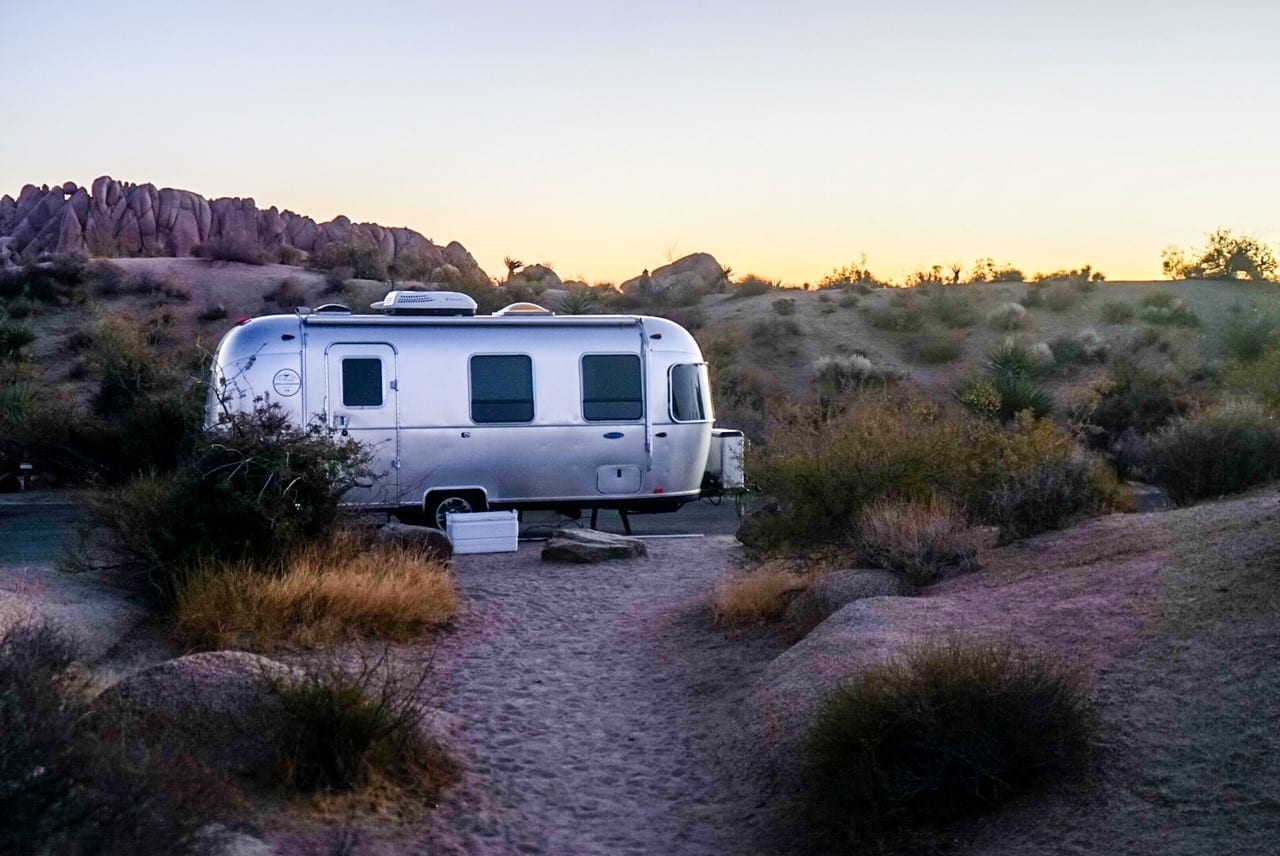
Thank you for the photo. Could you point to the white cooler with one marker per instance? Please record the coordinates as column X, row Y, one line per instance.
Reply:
column 483, row 532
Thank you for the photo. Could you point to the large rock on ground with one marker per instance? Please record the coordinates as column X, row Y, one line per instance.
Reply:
column 698, row 272
column 430, row 541
column 839, row 588
column 587, row 545
column 219, row 706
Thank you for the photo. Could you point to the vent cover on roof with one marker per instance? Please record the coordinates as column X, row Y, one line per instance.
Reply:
column 426, row 303
column 523, row 308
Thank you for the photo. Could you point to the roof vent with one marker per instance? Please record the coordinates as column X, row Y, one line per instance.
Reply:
column 523, row 308
column 426, row 303
column 337, row 308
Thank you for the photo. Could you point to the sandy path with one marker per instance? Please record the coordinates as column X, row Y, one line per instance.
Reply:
column 596, row 703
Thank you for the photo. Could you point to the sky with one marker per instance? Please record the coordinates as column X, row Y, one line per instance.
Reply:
column 786, row 139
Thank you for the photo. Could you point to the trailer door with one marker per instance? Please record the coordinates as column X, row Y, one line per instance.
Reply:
column 362, row 403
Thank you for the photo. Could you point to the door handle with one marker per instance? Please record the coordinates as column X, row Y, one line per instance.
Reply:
column 661, row 434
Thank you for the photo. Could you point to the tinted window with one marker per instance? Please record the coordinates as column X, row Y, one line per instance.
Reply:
column 501, row 388
column 611, row 388
column 687, row 394
column 362, row 382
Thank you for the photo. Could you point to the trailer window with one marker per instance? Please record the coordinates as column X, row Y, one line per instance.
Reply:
column 501, row 388
column 611, row 388
column 362, row 382
column 689, row 393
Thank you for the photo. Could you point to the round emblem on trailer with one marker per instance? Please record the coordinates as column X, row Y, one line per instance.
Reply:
column 286, row 382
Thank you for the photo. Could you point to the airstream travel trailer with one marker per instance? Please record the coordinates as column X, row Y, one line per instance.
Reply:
column 519, row 409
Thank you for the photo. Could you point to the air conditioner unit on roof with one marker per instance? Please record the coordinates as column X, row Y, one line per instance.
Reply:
column 426, row 303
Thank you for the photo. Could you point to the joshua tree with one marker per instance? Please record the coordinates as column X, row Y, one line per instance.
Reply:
column 513, row 265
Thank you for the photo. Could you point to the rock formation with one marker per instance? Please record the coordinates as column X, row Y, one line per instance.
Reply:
column 114, row 218
column 699, row 272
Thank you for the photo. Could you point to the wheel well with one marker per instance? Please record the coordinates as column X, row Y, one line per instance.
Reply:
column 476, row 496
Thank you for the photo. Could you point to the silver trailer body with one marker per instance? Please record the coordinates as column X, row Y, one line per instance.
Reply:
column 468, row 413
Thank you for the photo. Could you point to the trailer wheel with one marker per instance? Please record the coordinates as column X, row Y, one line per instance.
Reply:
column 439, row 506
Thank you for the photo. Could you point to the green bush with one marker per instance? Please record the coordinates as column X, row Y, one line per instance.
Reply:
column 1248, row 338
column 836, row 375
column 1116, row 312
column 68, row 783
column 897, row 318
column 954, row 730
column 785, row 306
column 1084, row 346
column 953, row 308
column 348, row 728
column 1139, row 399
column 753, row 286
column 1218, row 452
column 944, row 348
column 256, row 488
column 1177, row 314
column 1047, row 496
column 827, row 464
column 1061, row 297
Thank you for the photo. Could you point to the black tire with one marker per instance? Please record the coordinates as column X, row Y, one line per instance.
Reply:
column 443, row 504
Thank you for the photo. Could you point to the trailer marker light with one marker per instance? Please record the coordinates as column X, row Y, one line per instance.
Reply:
column 243, row 321
column 659, row 490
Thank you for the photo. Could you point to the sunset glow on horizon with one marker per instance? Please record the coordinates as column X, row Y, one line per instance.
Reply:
column 605, row 138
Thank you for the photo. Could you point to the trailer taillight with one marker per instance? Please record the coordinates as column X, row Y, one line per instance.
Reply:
column 243, row 321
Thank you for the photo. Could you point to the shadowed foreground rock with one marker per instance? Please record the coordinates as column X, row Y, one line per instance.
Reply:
column 587, row 545
column 219, row 706
column 829, row 594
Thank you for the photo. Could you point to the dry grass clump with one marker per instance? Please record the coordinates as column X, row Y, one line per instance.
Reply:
column 1117, row 312
column 325, row 593
column 922, row 540
column 835, row 375
column 759, row 596
column 953, row 730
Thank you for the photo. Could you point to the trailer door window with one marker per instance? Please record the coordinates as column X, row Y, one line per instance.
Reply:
column 611, row 388
column 689, row 393
column 361, row 382
column 501, row 388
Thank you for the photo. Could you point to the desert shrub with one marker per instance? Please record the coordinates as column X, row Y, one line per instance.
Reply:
column 903, row 317
column 1176, row 315
column 1217, row 452
column 20, row 308
column 753, row 286
column 979, row 395
column 1258, row 380
column 356, row 253
column 1084, row 346
column 1116, row 312
column 287, row 254
column 785, row 306
column 922, row 540
column 68, row 783
column 350, row 730
column 15, row 338
column 1020, row 393
column 1047, row 496
column 1012, row 358
column 953, row 307
column 825, row 466
column 952, row 730
column 212, row 312
column 338, row 589
column 229, row 249
column 856, row 276
column 1034, row 296
column 1008, row 317
column 847, row 301
column 256, row 489
column 759, row 596
column 145, row 283
column 1249, row 337
column 1061, row 297
column 578, row 301
column 1161, row 300
column 942, row 348
column 1136, row 398
column 287, row 294
column 836, row 375
column 770, row 332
